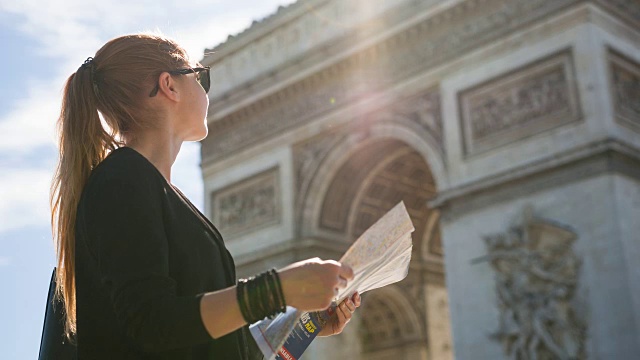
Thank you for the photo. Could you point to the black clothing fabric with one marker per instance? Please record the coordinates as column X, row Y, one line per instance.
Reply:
column 144, row 258
column 53, row 344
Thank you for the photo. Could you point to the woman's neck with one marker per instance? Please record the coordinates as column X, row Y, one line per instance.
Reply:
column 160, row 148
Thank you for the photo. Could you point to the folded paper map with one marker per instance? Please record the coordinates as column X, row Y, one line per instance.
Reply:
column 379, row 257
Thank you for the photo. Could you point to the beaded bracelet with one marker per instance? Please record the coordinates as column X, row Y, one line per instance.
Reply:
column 260, row 296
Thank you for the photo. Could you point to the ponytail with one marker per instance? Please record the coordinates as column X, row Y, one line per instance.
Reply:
column 83, row 143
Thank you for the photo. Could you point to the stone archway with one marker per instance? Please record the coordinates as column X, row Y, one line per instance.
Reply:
column 375, row 177
column 318, row 161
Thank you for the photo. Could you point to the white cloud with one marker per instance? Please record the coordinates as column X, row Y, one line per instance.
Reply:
column 31, row 122
column 25, row 198
column 69, row 31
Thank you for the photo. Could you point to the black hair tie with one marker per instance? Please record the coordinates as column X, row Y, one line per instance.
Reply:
column 88, row 63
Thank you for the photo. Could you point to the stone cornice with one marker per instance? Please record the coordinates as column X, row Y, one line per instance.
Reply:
column 258, row 29
column 321, row 55
column 605, row 156
column 314, row 25
column 627, row 10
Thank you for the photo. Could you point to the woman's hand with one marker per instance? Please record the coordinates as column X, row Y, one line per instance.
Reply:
column 342, row 316
column 310, row 285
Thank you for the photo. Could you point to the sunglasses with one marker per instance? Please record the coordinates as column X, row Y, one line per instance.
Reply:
column 203, row 79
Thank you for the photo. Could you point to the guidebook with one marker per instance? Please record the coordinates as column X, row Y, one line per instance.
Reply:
column 379, row 257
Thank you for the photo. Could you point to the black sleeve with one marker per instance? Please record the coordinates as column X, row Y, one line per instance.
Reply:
column 125, row 227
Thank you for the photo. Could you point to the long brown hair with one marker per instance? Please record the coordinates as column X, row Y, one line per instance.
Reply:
column 103, row 103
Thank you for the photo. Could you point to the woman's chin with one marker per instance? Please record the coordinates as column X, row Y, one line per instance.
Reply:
column 197, row 136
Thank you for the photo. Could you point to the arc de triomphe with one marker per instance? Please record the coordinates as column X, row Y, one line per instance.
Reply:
column 510, row 128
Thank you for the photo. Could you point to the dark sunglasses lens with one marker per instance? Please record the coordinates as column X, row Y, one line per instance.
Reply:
column 205, row 80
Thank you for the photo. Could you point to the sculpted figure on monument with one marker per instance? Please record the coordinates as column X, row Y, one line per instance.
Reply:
column 536, row 276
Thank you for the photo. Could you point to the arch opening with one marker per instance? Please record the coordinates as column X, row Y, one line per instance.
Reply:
column 373, row 179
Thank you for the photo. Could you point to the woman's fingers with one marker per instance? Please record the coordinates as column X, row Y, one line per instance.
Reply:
column 296, row 280
column 357, row 300
column 350, row 305
column 344, row 315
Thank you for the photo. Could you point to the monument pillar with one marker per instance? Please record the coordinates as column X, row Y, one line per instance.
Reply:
column 540, row 222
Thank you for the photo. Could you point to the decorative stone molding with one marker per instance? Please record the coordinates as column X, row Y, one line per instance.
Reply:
column 629, row 10
column 535, row 98
column 536, row 273
column 428, row 43
column 625, row 87
column 248, row 205
column 432, row 240
column 282, row 38
column 608, row 156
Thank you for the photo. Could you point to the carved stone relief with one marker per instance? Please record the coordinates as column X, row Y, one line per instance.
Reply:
column 424, row 110
column 307, row 157
column 536, row 273
column 625, row 86
column 249, row 205
column 530, row 100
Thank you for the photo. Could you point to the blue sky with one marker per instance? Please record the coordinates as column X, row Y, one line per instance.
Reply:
column 43, row 42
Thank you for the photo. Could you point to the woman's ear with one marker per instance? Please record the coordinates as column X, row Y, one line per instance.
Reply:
column 168, row 87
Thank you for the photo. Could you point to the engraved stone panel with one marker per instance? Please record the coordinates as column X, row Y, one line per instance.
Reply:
column 625, row 87
column 530, row 100
column 249, row 205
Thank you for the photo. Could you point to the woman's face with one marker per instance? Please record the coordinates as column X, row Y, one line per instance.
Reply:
column 195, row 103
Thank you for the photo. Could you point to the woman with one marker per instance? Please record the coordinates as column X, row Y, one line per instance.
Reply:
column 142, row 273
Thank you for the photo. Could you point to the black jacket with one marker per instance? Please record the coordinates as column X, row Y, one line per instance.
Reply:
column 144, row 257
